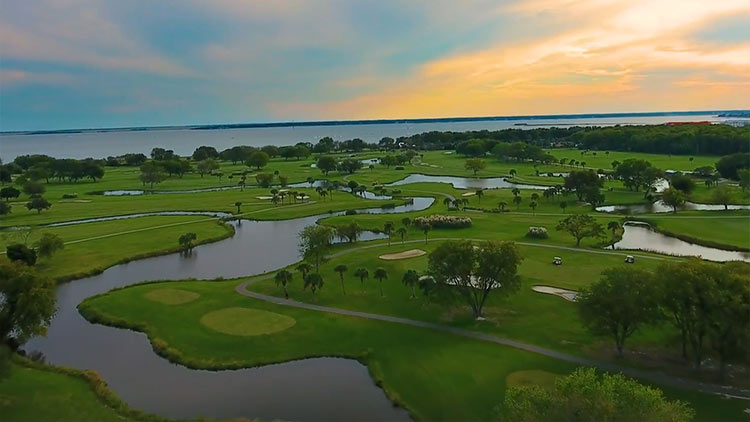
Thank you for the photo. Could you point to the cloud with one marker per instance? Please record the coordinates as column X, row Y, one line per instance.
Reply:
column 608, row 60
column 77, row 33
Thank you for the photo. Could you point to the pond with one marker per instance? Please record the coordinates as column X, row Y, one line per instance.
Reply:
column 640, row 236
column 466, row 182
column 309, row 389
column 661, row 207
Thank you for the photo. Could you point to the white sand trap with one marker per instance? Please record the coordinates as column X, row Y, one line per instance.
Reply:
column 264, row 197
column 411, row 253
column 303, row 197
column 563, row 293
column 469, row 194
column 75, row 201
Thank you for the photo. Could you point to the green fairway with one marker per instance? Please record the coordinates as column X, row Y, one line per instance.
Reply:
column 171, row 296
column 29, row 394
column 435, row 375
column 732, row 232
column 246, row 321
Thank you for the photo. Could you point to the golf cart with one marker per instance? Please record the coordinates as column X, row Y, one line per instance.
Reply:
column 557, row 260
column 629, row 259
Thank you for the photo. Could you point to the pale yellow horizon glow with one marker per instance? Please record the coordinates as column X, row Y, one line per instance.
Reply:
column 624, row 55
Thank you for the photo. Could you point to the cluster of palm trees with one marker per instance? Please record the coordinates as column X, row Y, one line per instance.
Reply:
column 389, row 228
column 315, row 281
column 278, row 196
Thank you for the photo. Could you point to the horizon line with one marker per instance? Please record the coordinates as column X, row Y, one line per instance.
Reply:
column 292, row 123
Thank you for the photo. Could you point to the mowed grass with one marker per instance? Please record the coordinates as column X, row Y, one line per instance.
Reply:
column 114, row 241
column 435, row 375
column 246, row 321
column 29, row 394
column 171, row 296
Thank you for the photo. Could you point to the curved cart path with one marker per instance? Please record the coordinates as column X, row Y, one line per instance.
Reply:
column 648, row 375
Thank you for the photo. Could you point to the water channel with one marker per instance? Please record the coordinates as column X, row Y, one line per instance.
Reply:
column 320, row 388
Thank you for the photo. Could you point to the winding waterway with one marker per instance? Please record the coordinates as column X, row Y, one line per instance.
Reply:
column 309, row 389
column 640, row 236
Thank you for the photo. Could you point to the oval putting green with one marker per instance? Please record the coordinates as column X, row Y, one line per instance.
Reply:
column 246, row 321
column 169, row 296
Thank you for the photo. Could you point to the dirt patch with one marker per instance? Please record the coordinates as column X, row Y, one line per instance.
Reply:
column 411, row 253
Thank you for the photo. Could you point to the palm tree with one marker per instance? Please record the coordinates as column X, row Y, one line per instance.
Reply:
column 275, row 199
column 388, row 229
column 283, row 278
column 362, row 274
column 320, row 191
column 480, row 194
column 314, row 281
column 310, row 180
column 532, row 204
column 548, row 193
column 464, row 202
column 426, row 229
column 517, row 200
column 324, row 193
column 341, row 269
column 410, row 280
column 238, row 204
column 512, row 173
column 515, row 191
column 406, row 221
column 534, row 196
column 380, row 274
column 401, row 231
column 448, row 202
column 502, row 205
column 563, row 204
column 304, row 268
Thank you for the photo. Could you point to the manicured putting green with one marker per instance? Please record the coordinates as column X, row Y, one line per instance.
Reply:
column 171, row 296
column 536, row 377
column 246, row 321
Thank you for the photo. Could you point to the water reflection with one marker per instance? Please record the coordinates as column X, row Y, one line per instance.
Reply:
column 466, row 182
column 641, row 236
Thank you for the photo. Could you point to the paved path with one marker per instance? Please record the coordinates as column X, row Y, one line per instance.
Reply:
column 648, row 375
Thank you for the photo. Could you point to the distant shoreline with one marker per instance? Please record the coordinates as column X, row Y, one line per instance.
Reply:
column 378, row 121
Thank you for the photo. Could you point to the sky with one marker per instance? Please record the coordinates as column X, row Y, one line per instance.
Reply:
column 114, row 63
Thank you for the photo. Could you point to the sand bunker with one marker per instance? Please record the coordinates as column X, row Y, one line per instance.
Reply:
column 411, row 253
column 75, row 201
column 264, row 197
column 469, row 194
column 563, row 293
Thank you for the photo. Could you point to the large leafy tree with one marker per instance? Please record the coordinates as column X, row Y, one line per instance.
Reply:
column 326, row 164
column 472, row 273
column 152, row 173
column 582, row 182
column 673, row 198
column 49, row 244
column 475, row 165
column 585, row 396
column 187, row 241
column 722, row 195
column 314, row 242
column 27, row 303
column 21, row 253
column 620, row 303
column 581, row 226
column 257, row 159
column 207, row 166
column 39, row 204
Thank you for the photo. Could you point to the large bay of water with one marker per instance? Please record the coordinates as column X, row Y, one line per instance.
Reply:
column 184, row 141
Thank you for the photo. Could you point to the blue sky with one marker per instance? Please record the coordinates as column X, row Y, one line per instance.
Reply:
column 87, row 63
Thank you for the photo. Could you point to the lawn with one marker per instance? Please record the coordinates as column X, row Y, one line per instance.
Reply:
column 31, row 394
column 435, row 375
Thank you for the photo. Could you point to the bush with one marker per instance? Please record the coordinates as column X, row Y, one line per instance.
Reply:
column 399, row 167
column 351, row 212
column 443, row 221
column 70, row 195
column 537, row 233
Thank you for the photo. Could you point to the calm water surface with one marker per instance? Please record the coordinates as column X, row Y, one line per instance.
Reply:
column 643, row 237
column 185, row 141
